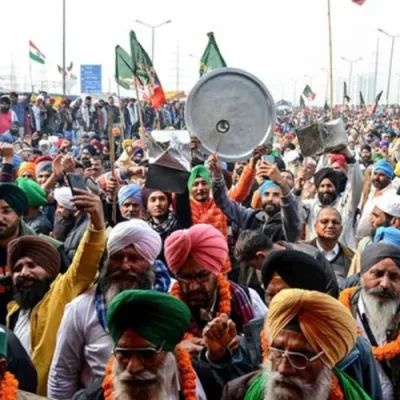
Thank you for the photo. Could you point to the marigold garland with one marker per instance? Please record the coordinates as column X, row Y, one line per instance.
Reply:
column 187, row 376
column 225, row 298
column 336, row 392
column 386, row 352
column 9, row 387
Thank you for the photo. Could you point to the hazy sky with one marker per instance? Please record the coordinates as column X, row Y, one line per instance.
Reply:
column 277, row 40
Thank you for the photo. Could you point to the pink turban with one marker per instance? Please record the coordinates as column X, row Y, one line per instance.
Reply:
column 202, row 242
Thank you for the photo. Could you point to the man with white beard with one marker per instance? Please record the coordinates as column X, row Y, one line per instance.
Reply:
column 84, row 344
column 147, row 362
column 306, row 334
column 376, row 308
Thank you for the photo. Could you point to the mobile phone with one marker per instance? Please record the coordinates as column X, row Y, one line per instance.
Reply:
column 76, row 181
column 269, row 158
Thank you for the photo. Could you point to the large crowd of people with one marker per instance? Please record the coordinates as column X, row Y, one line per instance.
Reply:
column 272, row 278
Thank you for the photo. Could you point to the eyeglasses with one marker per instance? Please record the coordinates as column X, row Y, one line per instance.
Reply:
column 146, row 354
column 296, row 360
column 201, row 278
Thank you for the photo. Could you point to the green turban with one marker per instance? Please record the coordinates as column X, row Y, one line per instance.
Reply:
column 200, row 171
column 3, row 342
column 36, row 195
column 14, row 197
column 157, row 317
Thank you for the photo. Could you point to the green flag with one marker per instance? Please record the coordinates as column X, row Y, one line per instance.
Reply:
column 362, row 101
column 326, row 106
column 375, row 106
column 123, row 68
column 302, row 103
column 346, row 98
column 212, row 57
column 144, row 71
column 308, row 93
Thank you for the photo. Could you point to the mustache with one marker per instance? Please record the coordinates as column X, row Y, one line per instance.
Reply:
column 383, row 292
column 278, row 379
column 143, row 376
column 21, row 280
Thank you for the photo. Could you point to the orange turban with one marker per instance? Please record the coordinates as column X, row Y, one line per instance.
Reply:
column 202, row 242
column 325, row 322
column 27, row 167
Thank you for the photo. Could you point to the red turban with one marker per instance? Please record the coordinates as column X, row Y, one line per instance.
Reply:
column 340, row 159
column 202, row 242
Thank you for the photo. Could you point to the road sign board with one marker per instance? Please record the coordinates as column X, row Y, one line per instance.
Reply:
column 91, row 79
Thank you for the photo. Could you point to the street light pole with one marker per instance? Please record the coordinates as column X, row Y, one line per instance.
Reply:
column 294, row 91
column 393, row 37
column 63, row 60
column 153, row 30
column 351, row 62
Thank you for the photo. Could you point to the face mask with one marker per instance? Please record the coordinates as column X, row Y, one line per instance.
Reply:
column 4, row 109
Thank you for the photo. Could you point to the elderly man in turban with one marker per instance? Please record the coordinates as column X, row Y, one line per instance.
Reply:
column 333, row 191
column 279, row 218
column 382, row 175
column 375, row 306
column 147, row 361
column 27, row 170
column 306, row 334
column 196, row 257
column 41, row 293
column 84, row 344
column 129, row 201
column 37, row 198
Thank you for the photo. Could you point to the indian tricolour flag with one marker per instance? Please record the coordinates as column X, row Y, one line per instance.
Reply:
column 35, row 54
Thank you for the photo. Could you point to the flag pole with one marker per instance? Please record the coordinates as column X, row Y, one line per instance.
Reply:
column 121, row 113
column 330, row 57
column 110, row 116
column 141, row 129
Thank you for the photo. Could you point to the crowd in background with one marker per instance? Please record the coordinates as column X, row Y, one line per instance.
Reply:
column 276, row 277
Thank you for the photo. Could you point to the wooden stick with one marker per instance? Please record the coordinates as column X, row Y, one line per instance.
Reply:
column 112, row 161
column 330, row 58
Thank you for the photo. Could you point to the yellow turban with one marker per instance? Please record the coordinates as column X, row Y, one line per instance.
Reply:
column 29, row 167
column 326, row 323
column 126, row 143
column 397, row 169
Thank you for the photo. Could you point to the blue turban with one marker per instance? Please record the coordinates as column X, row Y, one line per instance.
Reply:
column 16, row 161
column 138, row 151
column 131, row 191
column 389, row 235
column 384, row 167
column 68, row 135
column 267, row 185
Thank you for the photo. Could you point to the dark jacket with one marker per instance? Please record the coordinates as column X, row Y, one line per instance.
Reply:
column 392, row 367
column 359, row 364
column 285, row 225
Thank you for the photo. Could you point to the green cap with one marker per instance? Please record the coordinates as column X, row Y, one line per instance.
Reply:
column 157, row 317
column 3, row 342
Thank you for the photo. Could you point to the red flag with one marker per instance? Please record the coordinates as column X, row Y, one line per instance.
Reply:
column 359, row 2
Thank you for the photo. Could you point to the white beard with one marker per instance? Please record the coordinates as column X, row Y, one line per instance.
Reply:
column 380, row 312
column 163, row 377
column 320, row 390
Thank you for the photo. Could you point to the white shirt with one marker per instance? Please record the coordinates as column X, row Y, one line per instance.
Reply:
column 386, row 383
column 329, row 255
column 23, row 329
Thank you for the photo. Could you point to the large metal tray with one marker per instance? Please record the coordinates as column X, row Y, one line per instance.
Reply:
column 234, row 99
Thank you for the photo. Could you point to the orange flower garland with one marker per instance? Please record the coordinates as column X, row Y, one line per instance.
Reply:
column 185, row 368
column 386, row 352
column 225, row 298
column 9, row 387
column 336, row 391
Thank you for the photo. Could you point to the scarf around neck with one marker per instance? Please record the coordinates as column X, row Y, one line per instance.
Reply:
column 350, row 388
column 166, row 227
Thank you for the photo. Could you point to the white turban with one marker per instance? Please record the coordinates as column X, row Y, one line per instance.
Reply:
column 135, row 232
column 63, row 197
column 389, row 203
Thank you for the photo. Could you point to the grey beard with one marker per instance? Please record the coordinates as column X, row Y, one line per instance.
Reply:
column 319, row 390
column 112, row 287
column 159, row 390
column 380, row 312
